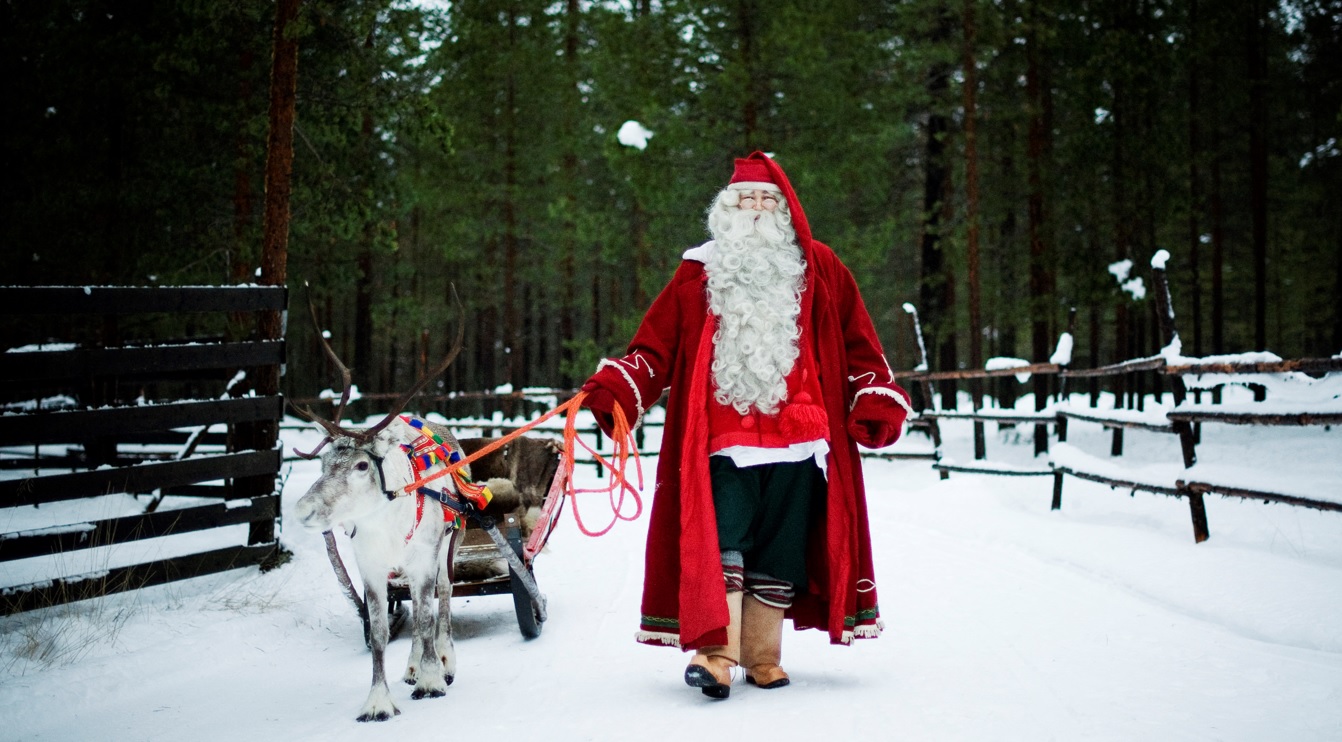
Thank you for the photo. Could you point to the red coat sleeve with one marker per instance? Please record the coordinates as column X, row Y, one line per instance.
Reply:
column 877, row 406
column 636, row 380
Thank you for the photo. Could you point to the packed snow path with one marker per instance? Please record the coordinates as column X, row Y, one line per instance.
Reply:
column 1004, row 621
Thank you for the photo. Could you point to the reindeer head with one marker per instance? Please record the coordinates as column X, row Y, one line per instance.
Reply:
column 357, row 478
column 363, row 468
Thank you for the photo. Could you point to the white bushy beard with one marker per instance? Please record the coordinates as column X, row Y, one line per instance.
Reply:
column 755, row 280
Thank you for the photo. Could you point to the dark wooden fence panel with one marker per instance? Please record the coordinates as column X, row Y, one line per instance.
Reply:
column 73, row 427
column 108, row 412
column 120, row 579
column 157, row 362
column 33, row 300
column 143, row 478
column 44, row 542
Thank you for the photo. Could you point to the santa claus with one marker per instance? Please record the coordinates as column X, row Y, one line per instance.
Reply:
column 775, row 375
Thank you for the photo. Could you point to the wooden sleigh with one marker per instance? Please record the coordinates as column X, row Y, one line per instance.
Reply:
column 492, row 536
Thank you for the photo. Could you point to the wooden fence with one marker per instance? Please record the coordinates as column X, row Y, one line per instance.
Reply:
column 1188, row 482
column 167, row 418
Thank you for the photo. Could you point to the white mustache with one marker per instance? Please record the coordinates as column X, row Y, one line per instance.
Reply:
column 748, row 222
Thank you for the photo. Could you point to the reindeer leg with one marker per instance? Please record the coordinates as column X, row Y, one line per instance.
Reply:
column 428, row 673
column 447, row 653
column 412, row 674
column 379, row 706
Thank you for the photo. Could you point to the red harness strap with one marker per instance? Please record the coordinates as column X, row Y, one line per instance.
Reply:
column 625, row 447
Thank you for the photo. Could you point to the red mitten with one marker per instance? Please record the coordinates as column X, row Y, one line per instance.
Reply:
column 877, row 420
column 602, row 404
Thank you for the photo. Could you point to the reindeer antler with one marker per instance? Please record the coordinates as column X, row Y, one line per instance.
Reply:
column 313, row 453
column 345, row 378
column 333, row 427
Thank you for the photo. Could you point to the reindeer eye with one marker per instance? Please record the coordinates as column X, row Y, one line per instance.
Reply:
column 361, row 466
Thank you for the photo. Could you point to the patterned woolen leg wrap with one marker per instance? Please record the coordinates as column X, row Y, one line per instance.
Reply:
column 769, row 591
column 733, row 571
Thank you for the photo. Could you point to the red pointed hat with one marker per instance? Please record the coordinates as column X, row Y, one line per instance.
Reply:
column 760, row 172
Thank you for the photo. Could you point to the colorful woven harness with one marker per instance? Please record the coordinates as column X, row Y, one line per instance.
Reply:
column 429, row 452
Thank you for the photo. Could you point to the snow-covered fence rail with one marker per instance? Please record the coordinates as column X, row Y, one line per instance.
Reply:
column 89, row 427
column 1298, row 400
column 501, row 412
column 932, row 418
column 1283, row 395
column 1291, row 400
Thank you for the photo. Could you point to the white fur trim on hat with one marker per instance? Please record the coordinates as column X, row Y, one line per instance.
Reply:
column 754, row 185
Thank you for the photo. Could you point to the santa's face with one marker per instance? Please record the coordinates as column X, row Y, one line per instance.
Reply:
column 758, row 201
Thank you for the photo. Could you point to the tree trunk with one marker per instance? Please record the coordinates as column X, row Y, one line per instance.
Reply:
column 240, row 266
column 1337, row 296
column 568, row 165
column 275, row 239
column 1258, row 167
column 970, row 89
column 937, row 288
column 279, row 162
column 1122, row 215
column 746, row 14
column 1218, row 251
column 363, row 314
column 639, row 219
column 512, row 346
column 363, row 302
column 1194, row 178
column 1036, row 148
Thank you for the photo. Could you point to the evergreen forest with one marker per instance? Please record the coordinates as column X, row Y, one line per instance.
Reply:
column 991, row 162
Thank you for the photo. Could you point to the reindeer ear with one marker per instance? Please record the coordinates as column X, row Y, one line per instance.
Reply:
column 396, row 469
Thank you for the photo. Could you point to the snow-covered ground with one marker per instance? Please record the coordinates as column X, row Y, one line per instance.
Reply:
column 1004, row 621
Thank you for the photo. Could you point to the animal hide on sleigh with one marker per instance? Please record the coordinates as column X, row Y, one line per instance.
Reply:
column 519, row 476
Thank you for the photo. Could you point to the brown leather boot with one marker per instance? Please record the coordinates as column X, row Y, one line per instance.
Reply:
column 710, row 670
column 762, row 644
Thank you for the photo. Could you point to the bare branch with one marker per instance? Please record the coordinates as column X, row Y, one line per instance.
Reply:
column 346, row 380
column 404, row 400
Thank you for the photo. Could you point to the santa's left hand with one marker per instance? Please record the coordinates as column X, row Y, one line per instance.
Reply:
column 876, row 420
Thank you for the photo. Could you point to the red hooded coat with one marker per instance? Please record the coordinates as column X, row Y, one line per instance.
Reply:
column 684, row 595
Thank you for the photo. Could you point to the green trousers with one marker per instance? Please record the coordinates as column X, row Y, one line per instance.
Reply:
column 764, row 512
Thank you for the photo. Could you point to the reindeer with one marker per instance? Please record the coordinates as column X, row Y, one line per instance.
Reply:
column 362, row 472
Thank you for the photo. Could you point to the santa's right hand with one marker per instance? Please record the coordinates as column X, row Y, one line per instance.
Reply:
column 598, row 399
column 602, row 404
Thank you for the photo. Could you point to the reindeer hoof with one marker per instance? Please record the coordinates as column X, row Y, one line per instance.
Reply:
column 448, row 679
column 379, row 715
column 422, row 693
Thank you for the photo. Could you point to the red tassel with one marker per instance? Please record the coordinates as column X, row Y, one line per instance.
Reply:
column 803, row 422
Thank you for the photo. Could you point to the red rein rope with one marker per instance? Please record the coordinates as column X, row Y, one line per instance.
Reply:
column 617, row 466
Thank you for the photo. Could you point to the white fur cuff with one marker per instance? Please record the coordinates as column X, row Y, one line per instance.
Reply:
column 638, row 397
column 884, row 393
